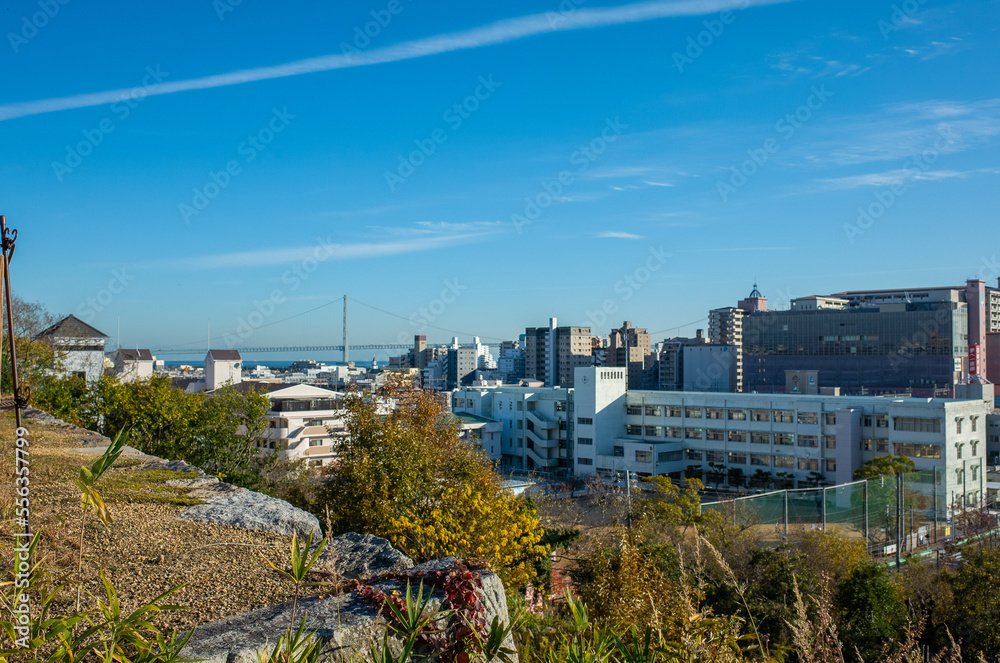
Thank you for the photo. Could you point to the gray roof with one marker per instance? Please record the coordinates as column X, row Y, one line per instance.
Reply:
column 71, row 327
column 135, row 355
column 224, row 355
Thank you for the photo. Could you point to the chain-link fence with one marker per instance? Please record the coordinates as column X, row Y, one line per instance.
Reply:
column 889, row 512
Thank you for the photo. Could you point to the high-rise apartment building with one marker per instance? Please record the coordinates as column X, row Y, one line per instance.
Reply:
column 725, row 327
column 629, row 348
column 552, row 353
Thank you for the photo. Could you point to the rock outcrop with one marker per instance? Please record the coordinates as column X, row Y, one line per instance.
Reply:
column 345, row 624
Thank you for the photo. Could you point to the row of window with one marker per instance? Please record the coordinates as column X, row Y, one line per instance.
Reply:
column 718, row 435
column 760, row 460
column 777, row 416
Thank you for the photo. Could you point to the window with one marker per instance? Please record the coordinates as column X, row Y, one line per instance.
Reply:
column 974, row 421
column 693, row 433
column 958, row 426
column 715, row 456
column 693, row 412
column 958, row 449
column 633, row 409
column 654, row 411
column 830, row 441
column 760, row 438
column 831, row 465
column 784, row 461
column 520, row 424
column 654, row 431
column 316, row 462
column 585, row 461
column 808, row 464
column 633, row 429
column 520, row 406
column 808, row 417
column 714, row 413
column 881, row 421
column 737, row 415
column 737, row 436
column 692, row 454
column 643, row 456
column 737, row 458
column 830, row 418
column 585, row 421
column 784, row 439
column 760, row 415
column 669, row 456
column 585, row 440
column 917, row 450
column 867, row 443
column 808, row 441
column 975, row 447
column 560, row 406
column 715, row 434
column 868, row 421
column 975, row 472
column 760, row 459
column 916, row 425
column 312, row 422
column 673, row 431
column 315, row 443
column 674, row 412
column 459, row 402
column 881, row 446
column 620, row 452
column 784, row 416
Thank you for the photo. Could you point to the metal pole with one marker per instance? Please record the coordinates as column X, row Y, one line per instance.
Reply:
column 899, row 509
column 866, row 511
column 346, row 344
column 785, row 512
column 934, row 497
column 20, row 399
column 822, row 506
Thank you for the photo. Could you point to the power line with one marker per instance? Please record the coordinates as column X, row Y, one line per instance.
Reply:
column 450, row 331
column 664, row 331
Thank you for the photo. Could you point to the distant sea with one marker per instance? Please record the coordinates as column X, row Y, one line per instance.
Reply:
column 250, row 363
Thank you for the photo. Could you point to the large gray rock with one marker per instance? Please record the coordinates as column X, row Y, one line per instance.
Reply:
column 250, row 510
column 355, row 556
column 345, row 625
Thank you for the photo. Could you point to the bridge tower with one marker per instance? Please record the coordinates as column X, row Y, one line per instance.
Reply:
column 347, row 348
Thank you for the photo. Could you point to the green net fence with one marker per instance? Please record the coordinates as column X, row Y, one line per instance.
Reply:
column 908, row 512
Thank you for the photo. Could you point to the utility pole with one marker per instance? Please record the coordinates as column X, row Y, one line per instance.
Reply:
column 899, row 515
column 346, row 345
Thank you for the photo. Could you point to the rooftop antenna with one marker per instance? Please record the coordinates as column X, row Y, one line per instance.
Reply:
column 209, row 340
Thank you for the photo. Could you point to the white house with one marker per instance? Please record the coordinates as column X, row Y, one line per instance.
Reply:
column 222, row 367
column 131, row 365
column 303, row 423
column 78, row 346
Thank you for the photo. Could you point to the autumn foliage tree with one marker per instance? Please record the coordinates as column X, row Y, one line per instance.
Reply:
column 404, row 473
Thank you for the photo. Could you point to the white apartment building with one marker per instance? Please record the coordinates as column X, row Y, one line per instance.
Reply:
column 303, row 423
column 132, row 365
column 534, row 424
column 663, row 432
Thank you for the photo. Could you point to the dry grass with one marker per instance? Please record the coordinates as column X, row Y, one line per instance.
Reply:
column 148, row 548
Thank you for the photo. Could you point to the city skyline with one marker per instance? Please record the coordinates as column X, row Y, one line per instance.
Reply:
column 534, row 161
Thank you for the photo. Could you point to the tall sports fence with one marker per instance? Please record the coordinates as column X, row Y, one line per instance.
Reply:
column 890, row 513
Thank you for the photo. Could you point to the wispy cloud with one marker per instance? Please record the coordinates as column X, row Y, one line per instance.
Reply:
column 499, row 32
column 611, row 234
column 324, row 251
column 897, row 176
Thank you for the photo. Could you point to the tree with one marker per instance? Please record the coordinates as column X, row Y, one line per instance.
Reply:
column 736, row 477
column 670, row 510
column 403, row 473
column 761, row 478
column 35, row 359
column 871, row 612
column 716, row 473
column 977, row 606
column 694, row 472
column 884, row 466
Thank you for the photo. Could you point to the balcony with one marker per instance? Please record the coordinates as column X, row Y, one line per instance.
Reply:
column 317, row 451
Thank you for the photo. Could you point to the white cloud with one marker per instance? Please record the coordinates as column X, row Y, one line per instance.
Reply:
column 897, row 176
column 498, row 32
column 610, row 234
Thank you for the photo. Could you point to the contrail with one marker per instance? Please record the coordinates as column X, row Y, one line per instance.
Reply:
column 500, row 32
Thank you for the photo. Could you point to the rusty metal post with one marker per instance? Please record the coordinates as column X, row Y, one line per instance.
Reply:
column 20, row 398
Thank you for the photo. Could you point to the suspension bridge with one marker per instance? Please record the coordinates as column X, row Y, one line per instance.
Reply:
column 246, row 329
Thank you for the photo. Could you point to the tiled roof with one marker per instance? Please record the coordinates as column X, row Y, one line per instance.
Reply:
column 136, row 355
column 71, row 327
column 225, row 355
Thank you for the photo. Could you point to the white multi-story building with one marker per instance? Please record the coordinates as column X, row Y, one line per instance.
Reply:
column 79, row 348
column 303, row 423
column 222, row 367
column 811, row 438
column 534, row 424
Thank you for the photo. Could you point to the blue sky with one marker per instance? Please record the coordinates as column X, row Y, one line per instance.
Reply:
column 482, row 168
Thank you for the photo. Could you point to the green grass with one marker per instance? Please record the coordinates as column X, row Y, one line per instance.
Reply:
column 146, row 487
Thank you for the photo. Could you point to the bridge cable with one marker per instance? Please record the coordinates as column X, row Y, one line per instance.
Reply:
column 450, row 331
